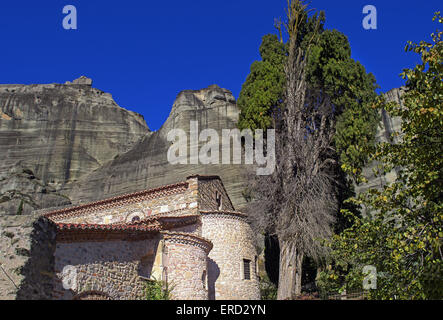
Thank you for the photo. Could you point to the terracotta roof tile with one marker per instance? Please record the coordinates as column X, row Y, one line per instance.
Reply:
column 105, row 227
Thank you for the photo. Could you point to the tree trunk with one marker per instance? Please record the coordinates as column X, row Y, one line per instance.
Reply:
column 298, row 273
column 290, row 271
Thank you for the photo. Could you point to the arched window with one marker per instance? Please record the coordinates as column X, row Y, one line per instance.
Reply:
column 134, row 217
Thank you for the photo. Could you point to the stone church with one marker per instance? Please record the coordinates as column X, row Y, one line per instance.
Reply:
column 187, row 234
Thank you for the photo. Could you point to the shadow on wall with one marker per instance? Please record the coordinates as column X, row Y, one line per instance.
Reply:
column 213, row 273
column 96, row 260
column 38, row 271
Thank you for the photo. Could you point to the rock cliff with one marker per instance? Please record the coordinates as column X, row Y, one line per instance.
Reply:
column 386, row 127
column 63, row 144
column 53, row 134
column 146, row 165
column 69, row 143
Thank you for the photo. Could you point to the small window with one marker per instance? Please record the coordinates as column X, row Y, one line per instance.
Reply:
column 135, row 219
column 218, row 199
column 256, row 266
column 204, row 279
column 247, row 269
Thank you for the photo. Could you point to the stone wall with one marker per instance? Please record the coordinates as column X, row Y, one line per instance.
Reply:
column 117, row 265
column 233, row 241
column 186, row 263
column 195, row 229
column 114, row 268
column 27, row 245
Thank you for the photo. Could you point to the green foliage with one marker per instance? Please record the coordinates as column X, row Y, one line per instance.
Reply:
column 262, row 93
column 263, row 90
column 330, row 68
column 352, row 91
column 268, row 290
column 157, row 290
column 403, row 235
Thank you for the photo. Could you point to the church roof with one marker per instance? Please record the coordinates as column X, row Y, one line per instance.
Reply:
column 142, row 229
column 68, row 232
column 118, row 200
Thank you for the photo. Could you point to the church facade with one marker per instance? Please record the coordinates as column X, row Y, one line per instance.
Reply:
column 187, row 234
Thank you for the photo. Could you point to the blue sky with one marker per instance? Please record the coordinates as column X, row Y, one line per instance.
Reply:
column 144, row 52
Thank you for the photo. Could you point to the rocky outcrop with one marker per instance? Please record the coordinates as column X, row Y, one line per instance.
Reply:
column 53, row 134
column 82, row 80
column 70, row 143
column 387, row 126
column 63, row 144
column 146, row 165
column 21, row 192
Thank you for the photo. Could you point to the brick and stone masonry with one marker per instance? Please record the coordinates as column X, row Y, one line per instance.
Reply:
column 187, row 234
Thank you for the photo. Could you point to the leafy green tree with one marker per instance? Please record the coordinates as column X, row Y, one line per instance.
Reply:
column 263, row 90
column 261, row 97
column 352, row 91
column 403, row 235
column 330, row 68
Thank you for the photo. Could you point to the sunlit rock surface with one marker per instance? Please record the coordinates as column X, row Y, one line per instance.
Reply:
column 57, row 133
column 146, row 164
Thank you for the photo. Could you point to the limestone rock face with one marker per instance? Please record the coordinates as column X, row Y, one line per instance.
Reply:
column 387, row 126
column 58, row 133
column 146, row 165
column 21, row 192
